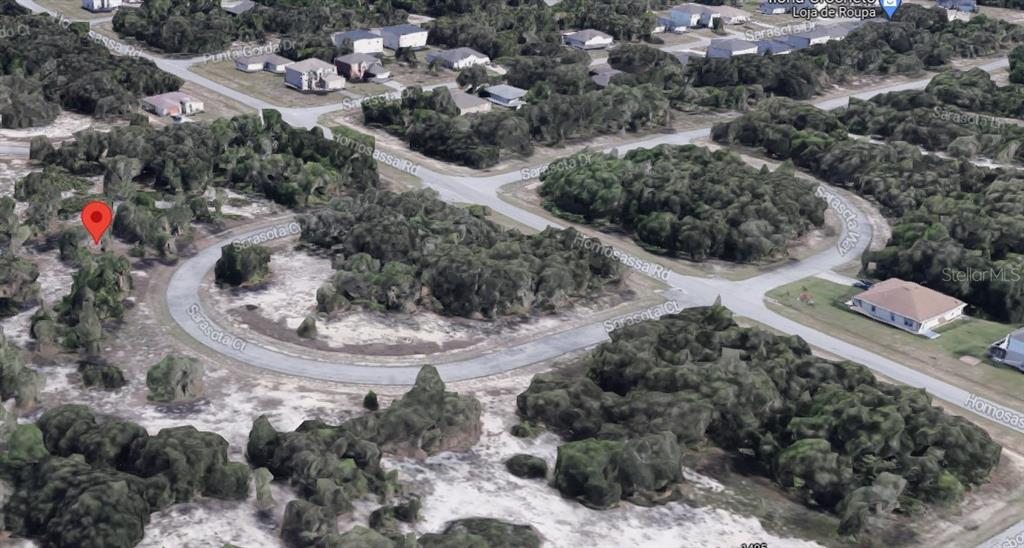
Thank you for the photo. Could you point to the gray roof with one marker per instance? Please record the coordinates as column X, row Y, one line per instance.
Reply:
column 241, row 7
column 311, row 64
column 358, row 34
column 402, row 30
column 354, row 58
column 1018, row 335
column 683, row 57
column 271, row 58
column 455, row 54
column 506, row 91
column 588, row 34
column 602, row 76
column 731, row 44
column 773, row 47
column 464, row 100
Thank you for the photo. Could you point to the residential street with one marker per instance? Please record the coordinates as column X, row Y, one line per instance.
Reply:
column 745, row 298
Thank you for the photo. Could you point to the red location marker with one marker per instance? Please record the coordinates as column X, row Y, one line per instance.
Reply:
column 96, row 217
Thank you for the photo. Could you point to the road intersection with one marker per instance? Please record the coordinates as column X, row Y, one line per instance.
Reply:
column 744, row 298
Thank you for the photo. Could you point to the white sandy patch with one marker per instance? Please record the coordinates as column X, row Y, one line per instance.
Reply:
column 64, row 127
column 289, row 293
column 477, row 484
column 11, row 171
column 54, row 282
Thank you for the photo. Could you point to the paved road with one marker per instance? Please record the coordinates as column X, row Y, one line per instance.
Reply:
column 745, row 298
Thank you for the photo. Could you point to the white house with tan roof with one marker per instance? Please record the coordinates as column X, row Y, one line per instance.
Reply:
column 908, row 306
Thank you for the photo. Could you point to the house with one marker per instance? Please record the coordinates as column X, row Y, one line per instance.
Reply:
column 275, row 63
column 959, row 5
column 96, row 6
column 683, row 57
column 693, row 15
column 773, row 47
column 602, row 75
column 724, row 48
column 269, row 62
column 458, row 58
column 1009, row 351
column 240, row 7
column 778, row 8
column 361, row 66
column 588, row 39
column 664, row 24
column 469, row 104
column 957, row 15
column 731, row 15
column 908, row 306
column 506, row 96
column 173, row 103
column 363, row 41
column 313, row 75
column 404, row 36
column 813, row 37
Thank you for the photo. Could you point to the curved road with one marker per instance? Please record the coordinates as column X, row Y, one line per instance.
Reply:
column 745, row 298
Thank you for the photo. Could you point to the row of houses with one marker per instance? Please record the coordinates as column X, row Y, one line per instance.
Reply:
column 690, row 15
column 724, row 48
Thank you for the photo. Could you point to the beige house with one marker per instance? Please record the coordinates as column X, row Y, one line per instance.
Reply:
column 469, row 104
column 313, row 75
column 908, row 306
column 174, row 103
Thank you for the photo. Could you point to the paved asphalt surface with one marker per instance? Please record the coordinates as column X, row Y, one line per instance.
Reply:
column 745, row 298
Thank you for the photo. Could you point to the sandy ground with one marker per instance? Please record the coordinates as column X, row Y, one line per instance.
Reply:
column 63, row 128
column 272, row 311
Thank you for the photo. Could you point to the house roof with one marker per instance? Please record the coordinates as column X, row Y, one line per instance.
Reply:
column 465, row 101
column 506, row 91
column 909, row 299
column 402, row 30
column 1018, row 335
column 311, row 64
column 774, row 47
column 356, row 58
column 167, row 100
column 602, row 75
column 589, row 34
column 358, row 34
column 731, row 44
column 694, row 9
column 730, row 11
column 241, row 7
column 683, row 57
column 271, row 58
column 457, row 54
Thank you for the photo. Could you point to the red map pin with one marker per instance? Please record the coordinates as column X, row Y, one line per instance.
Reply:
column 96, row 217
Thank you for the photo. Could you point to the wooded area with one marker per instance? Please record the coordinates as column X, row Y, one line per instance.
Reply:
column 829, row 433
column 949, row 217
column 46, row 66
column 409, row 251
column 686, row 201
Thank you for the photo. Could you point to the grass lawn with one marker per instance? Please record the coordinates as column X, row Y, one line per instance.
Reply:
column 939, row 357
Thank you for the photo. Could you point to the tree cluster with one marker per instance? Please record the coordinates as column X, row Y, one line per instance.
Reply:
column 686, row 201
column 406, row 251
column 949, row 217
column 45, row 67
column 83, row 480
column 829, row 433
column 294, row 167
